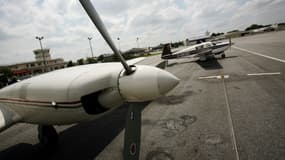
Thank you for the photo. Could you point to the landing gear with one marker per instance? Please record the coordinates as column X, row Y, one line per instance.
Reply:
column 203, row 58
column 47, row 135
column 223, row 55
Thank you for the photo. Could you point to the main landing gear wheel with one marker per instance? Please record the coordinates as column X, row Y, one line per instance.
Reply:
column 47, row 135
column 223, row 55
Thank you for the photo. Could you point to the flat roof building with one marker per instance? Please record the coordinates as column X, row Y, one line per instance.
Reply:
column 43, row 63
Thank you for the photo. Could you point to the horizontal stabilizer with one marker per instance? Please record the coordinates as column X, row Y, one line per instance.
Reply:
column 7, row 117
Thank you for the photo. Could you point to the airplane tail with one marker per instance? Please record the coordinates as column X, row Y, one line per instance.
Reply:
column 166, row 51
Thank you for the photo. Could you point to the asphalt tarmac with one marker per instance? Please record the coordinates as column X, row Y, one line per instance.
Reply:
column 232, row 108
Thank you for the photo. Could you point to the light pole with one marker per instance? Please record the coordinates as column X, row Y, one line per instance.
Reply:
column 44, row 59
column 138, row 42
column 119, row 43
column 89, row 38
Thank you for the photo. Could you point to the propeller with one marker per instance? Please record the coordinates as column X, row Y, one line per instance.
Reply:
column 94, row 16
column 133, row 119
column 231, row 43
column 133, row 131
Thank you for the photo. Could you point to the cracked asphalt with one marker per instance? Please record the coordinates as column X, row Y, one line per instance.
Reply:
column 233, row 117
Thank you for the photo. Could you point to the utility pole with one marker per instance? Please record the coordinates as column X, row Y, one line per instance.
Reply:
column 44, row 59
column 89, row 38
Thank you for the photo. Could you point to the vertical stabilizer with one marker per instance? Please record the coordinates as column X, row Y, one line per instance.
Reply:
column 166, row 51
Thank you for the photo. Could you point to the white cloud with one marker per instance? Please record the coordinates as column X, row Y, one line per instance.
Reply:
column 65, row 25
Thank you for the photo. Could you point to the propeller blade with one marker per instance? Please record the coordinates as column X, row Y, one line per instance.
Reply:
column 133, row 131
column 94, row 16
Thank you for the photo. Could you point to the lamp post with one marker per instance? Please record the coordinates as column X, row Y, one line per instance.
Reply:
column 44, row 59
column 89, row 38
column 119, row 43
column 138, row 42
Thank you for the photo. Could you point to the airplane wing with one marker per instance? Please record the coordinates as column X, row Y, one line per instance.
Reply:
column 193, row 53
column 7, row 117
column 199, row 39
column 135, row 60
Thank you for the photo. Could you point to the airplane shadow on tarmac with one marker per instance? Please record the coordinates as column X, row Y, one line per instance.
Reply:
column 210, row 64
column 83, row 141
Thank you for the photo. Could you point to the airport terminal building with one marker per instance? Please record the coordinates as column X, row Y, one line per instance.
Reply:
column 43, row 63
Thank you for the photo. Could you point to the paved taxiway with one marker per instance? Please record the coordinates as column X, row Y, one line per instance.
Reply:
column 231, row 108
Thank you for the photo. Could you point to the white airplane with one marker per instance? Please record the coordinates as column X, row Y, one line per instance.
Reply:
column 84, row 93
column 202, row 51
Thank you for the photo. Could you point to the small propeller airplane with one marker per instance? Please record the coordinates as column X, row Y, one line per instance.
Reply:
column 201, row 50
column 84, row 93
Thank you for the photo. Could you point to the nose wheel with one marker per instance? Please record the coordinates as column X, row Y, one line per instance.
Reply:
column 47, row 135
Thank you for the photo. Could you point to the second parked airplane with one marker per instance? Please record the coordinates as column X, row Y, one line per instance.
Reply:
column 202, row 50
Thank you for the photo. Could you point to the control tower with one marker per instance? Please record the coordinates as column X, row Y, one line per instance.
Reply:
column 42, row 54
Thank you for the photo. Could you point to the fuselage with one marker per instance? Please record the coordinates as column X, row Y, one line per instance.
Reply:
column 55, row 97
column 198, row 48
column 83, row 93
column 202, row 49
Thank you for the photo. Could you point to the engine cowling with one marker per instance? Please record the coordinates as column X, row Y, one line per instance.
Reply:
column 146, row 83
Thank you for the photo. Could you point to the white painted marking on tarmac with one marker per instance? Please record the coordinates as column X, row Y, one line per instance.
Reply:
column 264, row 74
column 259, row 54
column 226, row 76
column 230, row 120
column 215, row 77
column 208, row 77
column 2, row 120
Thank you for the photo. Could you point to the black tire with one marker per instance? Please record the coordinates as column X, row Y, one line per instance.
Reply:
column 223, row 56
column 47, row 135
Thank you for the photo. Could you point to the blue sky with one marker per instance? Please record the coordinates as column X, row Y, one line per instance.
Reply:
column 65, row 25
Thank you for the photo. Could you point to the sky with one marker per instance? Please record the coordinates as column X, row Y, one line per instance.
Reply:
column 66, row 26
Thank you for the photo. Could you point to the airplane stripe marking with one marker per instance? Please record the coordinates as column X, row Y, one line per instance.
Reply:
column 259, row 54
column 75, row 104
column 264, row 74
column 34, row 101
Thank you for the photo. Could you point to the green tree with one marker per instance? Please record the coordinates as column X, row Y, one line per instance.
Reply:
column 253, row 26
column 5, row 75
column 80, row 61
column 115, row 58
column 101, row 58
column 70, row 64
column 233, row 31
column 90, row 60
column 217, row 34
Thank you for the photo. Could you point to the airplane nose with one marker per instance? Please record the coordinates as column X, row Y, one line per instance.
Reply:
column 166, row 82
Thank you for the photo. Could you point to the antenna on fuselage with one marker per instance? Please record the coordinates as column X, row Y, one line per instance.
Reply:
column 94, row 16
